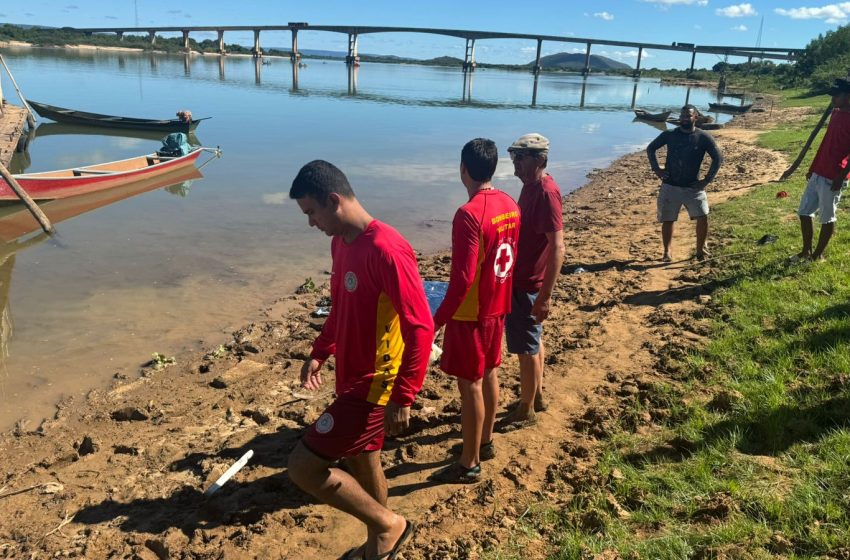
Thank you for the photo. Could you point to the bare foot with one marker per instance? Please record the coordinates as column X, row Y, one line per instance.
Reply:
column 666, row 258
column 540, row 404
column 389, row 541
column 804, row 255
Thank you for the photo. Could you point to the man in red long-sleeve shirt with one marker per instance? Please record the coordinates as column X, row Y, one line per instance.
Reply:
column 380, row 330
column 485, row 231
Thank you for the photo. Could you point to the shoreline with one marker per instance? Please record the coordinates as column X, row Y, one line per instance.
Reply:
column 131, row 462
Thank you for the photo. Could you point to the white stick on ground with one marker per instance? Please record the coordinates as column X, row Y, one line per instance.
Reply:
column 229, row 473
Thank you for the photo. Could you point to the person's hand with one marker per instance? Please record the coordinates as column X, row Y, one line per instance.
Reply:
column 837, row 183
column 540, row 309
column 808, row 175
column 396, row 419
column 311, row 378
column 661, row 174
column 700, row 184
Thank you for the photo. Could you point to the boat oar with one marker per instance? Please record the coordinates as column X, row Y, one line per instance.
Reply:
column 29, row 202
column 808, row 144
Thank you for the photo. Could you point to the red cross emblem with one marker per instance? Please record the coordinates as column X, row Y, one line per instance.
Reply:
column 504, row 260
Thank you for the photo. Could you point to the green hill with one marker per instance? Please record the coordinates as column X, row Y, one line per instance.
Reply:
column 575, row 61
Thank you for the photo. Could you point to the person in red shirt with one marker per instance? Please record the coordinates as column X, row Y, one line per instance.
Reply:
column 827, row 174
column 485, row 232
column 539, row 258
column 380, row 330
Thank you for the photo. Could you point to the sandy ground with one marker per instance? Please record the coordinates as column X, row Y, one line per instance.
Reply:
column 121, row 474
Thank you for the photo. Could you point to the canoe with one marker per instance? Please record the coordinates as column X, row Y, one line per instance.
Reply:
column 50, row 185
column 60, row 114
column 657, row 117
column 729, row 108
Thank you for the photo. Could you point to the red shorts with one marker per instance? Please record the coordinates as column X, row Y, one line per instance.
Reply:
column 471, row 347
column 348, row 427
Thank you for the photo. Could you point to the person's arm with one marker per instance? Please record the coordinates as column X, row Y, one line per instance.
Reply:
column 465, row 247
column 843, row 169
column 653, row 147
column 323, row 347
column 554, row 260
column 401, row 282
column 716, row 160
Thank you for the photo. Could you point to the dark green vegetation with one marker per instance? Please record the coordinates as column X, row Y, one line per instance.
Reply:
column 748, row 455
column 575, row 61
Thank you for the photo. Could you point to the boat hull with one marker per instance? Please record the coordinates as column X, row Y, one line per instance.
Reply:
column 60, row 114
column 51, row 185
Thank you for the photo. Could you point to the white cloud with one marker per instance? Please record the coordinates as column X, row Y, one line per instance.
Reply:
column 739, row 28
column 832, row 13
column 604, row 15
column 736, row 11
column 666, row 3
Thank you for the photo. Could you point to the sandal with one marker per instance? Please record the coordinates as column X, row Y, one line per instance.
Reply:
column 457, row 474
column 393, row 554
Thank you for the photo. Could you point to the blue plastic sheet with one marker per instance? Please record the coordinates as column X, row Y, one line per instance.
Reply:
column 435, row 292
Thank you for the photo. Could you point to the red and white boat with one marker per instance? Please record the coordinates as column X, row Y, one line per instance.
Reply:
column 50, row 185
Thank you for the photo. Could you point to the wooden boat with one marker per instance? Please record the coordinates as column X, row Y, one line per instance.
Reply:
column 16, row 220
column 60, row 114
column 657, row 117
column 49, row 185
column 729, row 108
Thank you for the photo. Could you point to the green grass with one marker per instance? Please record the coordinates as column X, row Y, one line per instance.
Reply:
column 767, row 475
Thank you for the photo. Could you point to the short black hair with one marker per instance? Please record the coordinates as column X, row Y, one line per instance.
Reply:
column 688, row 107
column 318, row 179
column 480, row 157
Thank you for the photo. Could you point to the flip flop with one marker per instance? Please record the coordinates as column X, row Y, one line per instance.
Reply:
column 391, row 555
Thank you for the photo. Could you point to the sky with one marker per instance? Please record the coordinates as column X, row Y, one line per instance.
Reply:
column 783, row 23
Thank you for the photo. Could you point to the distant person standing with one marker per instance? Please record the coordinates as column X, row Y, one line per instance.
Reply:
column 539, row 259
column 681, row 185
column 827, row 175
column 380, row 330
column 485, row 234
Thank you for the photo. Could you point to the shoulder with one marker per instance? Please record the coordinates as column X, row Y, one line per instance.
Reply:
column 550, row 186
column 389, row 243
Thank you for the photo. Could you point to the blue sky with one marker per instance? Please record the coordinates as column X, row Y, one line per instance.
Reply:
column 787, row 23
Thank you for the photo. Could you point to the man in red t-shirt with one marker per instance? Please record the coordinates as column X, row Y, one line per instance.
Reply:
column 539, row 258
column 827, row 174
column 485, row 233
column 380, row 330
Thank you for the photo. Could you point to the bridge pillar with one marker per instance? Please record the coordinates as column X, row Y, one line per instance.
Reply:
column 637, row 67
column 294, row 55
column 693, row 61
column 120, row 35
column 352, row 59
column 186, row 39
column 152, row 35
column 257, row 51
column 586, row 70
column 536, row 69
column 221, row 49
column 469, row 57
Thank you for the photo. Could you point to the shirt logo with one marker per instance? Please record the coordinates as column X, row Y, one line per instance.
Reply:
column 350, row 281
column 504, row 260
column 325, row 423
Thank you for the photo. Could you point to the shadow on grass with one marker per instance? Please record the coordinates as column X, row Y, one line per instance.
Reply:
column 768, row 432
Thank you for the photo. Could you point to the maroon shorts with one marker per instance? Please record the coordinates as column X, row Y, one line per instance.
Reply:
column 348, row 427
column 471, row 347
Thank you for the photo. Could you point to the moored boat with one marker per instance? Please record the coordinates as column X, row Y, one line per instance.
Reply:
column 60, row 114
column 657, row 117
column 49, row 185
column 729, row 108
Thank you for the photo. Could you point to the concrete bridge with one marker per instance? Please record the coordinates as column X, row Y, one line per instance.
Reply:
column 470, row 37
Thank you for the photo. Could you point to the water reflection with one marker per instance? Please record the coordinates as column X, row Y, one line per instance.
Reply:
column 353, row 70
column 17, row 226
column 467, row 87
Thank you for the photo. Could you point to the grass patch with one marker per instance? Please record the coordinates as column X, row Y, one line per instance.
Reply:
column 755, row 462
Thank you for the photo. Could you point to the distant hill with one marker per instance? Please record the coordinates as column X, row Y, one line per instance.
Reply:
column 575, row 61
column 444, row 61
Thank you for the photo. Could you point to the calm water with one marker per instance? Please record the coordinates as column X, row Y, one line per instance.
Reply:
column 168, row 270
